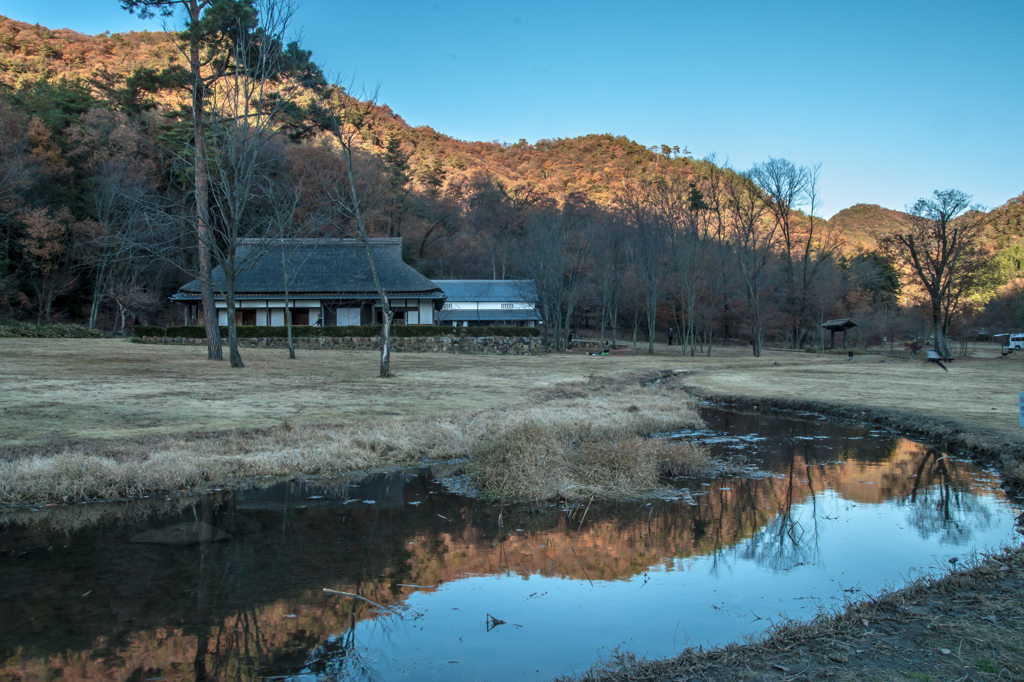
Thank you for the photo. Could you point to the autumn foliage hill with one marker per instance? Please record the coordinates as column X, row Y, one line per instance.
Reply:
column 29, row 53
column 593, row 166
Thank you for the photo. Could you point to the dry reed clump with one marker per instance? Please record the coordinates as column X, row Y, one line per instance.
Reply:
column 584, row 444
column 581, row 438
column 1014, row 468
column 682, row 458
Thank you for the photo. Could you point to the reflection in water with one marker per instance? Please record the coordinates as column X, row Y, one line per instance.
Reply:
column 229, row 585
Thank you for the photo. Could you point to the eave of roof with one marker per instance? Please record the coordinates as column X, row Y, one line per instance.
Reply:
column 486, row 314
column 304, row 295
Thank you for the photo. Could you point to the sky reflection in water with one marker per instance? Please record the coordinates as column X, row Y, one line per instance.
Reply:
column 849, row 512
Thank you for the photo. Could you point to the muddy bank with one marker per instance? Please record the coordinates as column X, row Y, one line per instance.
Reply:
column 965, row 625
column 982, row 444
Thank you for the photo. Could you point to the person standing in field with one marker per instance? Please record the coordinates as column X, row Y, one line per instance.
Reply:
column 670, row 336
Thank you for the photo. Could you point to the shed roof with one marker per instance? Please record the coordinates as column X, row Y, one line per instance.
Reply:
column 322, row 268
column 839, row 324
column 505, row 290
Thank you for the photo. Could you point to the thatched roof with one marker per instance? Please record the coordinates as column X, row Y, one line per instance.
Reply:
column 320, row 268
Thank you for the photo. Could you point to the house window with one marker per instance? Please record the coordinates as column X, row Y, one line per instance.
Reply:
column 447, row 306
column 300, row 317
column 246, row 317
column 506, row 306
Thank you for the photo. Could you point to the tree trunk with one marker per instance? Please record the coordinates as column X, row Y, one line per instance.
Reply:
column 287, row 312
column 651, row 317
column 940, row 338
column 97, row 299
column 385, row 337
column 615, row 326
column 229, row 299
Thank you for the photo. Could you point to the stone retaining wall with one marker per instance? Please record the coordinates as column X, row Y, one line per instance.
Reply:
column 475, row 345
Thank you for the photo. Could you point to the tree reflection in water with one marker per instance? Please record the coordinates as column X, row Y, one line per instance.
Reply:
column 784, row 542
column 940, row 501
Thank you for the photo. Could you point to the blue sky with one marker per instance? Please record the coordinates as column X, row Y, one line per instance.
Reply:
column 895, row 99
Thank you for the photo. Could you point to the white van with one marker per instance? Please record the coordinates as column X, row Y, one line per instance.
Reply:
column 1015, row 342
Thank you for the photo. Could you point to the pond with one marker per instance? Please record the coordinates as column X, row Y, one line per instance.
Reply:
column 230, row 585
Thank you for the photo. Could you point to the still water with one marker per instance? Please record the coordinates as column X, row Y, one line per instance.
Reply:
column 230, row 585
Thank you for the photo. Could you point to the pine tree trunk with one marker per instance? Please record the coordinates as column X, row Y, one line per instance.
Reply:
column 214, row 349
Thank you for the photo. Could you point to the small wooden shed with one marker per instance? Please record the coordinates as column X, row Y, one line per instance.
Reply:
column 842, row 324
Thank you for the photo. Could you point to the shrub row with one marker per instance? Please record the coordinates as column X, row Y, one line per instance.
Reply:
column 198, row 332
column 13, row 330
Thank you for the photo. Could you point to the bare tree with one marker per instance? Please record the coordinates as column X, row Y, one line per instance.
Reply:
column 286, row 223
column 610, row 273
column 684, row 210
column 942, row 248
column 753, row 240
column 806, row 243
column 350, row 196
column 556, row 253
column 713, row 180
column 649, row 246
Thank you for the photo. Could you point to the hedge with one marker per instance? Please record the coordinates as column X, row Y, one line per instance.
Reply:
column 371, row 330
column 14, row 330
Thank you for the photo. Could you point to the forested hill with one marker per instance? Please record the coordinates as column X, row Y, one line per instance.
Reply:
column 30, row 53
column 861, row 223
column 109, row 66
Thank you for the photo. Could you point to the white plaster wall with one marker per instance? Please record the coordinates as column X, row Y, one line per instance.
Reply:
column 426, row 311
column 277, row 317
column 261, row 318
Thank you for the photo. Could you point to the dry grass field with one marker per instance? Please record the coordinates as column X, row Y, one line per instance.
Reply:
column 56, row 390
column 87, row 419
